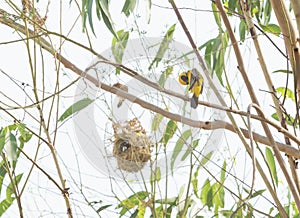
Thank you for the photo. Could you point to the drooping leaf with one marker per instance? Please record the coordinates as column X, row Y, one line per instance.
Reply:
column 164, row 76
column 216, row 14
column 179, row 145
column 206, row 158
column 3, row 137
column 2, row 174
column 243, row 30
column 133, row 200
column 79, row 105
column 271, row 28
column 101, row 11
column 155, row 175
column 5, row 204
column 195, row 182
column 258, row 193
column 169, row 132
column 25, row 134
column 11, row 147
column 156, row 122
column 118, row 47
column 190, row 149
column 271, row 162
column 206, row 194
column 288, row 119
column 128, row 7
column 218, row 196
column 232, row 5
column 148, row 10
column 223, row 172
column 106, row 16
column 163, row 46
column 141, row 210
column 286, row 91
column 267, row 12
column 9, row 189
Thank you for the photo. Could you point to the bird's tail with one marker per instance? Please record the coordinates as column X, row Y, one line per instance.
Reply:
column 121, row 100
column 194, row 101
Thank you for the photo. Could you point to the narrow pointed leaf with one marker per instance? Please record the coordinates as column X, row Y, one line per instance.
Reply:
column 271, row 162
column 179, row 145
column 78, row 106
column 163, row 46
column 169, row 132
column 128, row 7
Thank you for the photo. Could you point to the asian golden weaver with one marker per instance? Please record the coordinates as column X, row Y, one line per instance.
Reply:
column 195, row 80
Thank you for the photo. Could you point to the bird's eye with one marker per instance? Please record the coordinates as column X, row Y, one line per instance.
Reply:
column 124, row 146
column 185, row 79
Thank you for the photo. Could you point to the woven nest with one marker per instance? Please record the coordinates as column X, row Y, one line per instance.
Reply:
column 132, row 147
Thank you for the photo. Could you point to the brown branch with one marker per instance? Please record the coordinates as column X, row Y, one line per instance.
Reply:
column 290, row 36
column 254, row 99
column 205, row 125
column 247, row 16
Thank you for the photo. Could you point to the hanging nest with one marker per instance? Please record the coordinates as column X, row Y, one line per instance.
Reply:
column 132, row 147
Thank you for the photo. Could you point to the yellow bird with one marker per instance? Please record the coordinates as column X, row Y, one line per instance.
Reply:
column 195, row 80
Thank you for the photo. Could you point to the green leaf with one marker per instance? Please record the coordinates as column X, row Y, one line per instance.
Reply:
column 223, row 172
column 195, row 182
column 169, row 132
column 128, row 7
column 106, row 16
column 163, row 46
column 288, row 119
column 164, row 76
column 25, row 134
column 9, row 190
column 3, row 138
column 148, row 10
column 11, row 147
column 156, row 122
column 87, row 6
column 275, row 116
column 271, row 163
column 133, row 200
column 5, row 204
column 286, row 91
column 159, row 211
column 103, row 208
column 2, row 174
column 271, row 28
column 155, row 175
column 283, row 71
column 267, row 12
column 258, row 193
column 135, row 214
column 206, row 158
column 78, row 106
column 243, row 30
column 190, row 149
column 232, row 4
column 216, row 14
column 206, row 194
column 141, row 210
column 101, row 11
column 218, row 196
column 118, row 47
column 178, row 147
